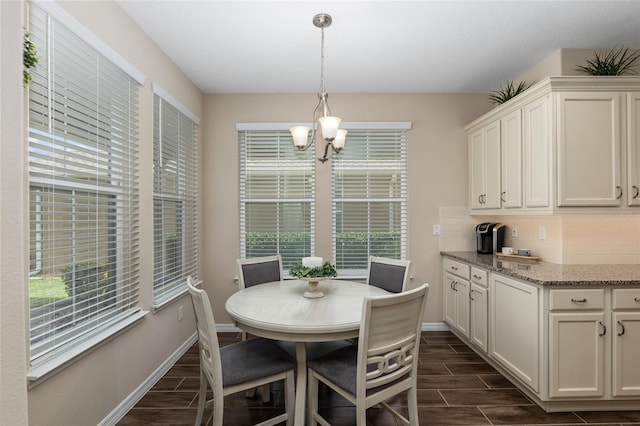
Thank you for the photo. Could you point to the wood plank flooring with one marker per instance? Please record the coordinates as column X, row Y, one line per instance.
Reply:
column 455, row 387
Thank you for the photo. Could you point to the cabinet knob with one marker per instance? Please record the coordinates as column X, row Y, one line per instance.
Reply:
column 619, row 192
column 636, row 192
column 636, row 299
column 621, row 331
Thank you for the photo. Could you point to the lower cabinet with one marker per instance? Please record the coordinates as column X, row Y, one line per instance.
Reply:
column 576, row 354
column 625, row 318
column 457, row 303
column 569, row 348
column 514, row 313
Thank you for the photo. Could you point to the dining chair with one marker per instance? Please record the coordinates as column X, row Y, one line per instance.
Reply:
column 237, row 367
column 384, row 363
column 388, row 274
column 254, row 271
column 259, row 270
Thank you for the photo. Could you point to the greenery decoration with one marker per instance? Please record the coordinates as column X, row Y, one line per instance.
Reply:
column 615, row 62
column 29, row 58
column 324, row 271
column 507, row 92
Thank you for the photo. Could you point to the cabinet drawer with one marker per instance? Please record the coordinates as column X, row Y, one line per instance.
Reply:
column 479, row 277
column 457, row 268
column 626, row 298
column 576, row 299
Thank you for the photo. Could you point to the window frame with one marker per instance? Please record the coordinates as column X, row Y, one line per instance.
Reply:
column 185, row 195
column 114, row 178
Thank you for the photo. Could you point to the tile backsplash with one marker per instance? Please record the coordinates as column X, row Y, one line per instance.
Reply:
column 569, row 239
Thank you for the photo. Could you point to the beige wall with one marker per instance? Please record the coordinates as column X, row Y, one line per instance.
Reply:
column 437, row 164
column 90, row 388
column 13, row 228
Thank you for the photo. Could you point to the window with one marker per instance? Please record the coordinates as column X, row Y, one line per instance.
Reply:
column 369, row 188
column 277, row 195
column 83, row 201
column 175, row 248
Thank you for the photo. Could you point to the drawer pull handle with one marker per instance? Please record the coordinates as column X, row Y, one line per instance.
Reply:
column 636, row 192
column 477, row 277
column 604, row 329
column 619, row 192
column 502, row 194
column 455, row 268
column 471, row 295
column 579, row 300
column 621, row 331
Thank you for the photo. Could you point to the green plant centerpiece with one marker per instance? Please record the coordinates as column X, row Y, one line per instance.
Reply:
column 327, row 270
column 615, row 62
column 313, row 270
column 510, row 90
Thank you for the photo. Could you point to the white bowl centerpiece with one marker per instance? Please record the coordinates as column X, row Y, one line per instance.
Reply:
column 312, row 269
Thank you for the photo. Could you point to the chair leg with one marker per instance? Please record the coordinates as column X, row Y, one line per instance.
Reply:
column 312, row 394
column 266, row 392
column 202, row 398
column 413, row 406
column 290, row 397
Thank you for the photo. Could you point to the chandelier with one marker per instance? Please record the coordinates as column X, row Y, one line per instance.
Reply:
column 333, row 136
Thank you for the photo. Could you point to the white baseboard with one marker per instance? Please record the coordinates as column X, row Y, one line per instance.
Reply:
column 426, row 326
column 130, row 401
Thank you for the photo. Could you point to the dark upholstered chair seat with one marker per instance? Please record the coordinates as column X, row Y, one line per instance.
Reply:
column 252, row 359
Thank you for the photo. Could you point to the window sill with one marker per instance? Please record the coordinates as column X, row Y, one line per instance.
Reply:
column 49, row 368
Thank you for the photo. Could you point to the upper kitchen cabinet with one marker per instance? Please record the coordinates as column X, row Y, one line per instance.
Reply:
column 484, row 163
column 633, row 149
column 567, row 144
column 588, row 136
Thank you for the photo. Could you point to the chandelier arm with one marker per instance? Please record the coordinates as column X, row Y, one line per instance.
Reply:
column 326, row 156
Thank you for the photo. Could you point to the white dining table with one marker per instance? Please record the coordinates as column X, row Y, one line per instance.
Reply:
column 279, row 311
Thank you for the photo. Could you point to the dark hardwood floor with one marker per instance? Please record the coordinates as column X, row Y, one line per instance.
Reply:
column 455, row 387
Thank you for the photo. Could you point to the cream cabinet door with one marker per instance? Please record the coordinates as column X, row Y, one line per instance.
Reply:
column 484, row 163
column 626, row 354
column 511, row 160
column 588, row 137
column 537, row 160
column 633, row 149
column 576, row 354
column 514, row 338
column 478, row 322
column 457, row 303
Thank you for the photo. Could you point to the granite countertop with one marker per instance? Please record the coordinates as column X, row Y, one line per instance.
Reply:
column 545, row 273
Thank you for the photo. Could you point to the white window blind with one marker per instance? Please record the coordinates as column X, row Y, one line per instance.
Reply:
column 277, row 196
column 369, row 186
column 175, row 220
column 83, row 176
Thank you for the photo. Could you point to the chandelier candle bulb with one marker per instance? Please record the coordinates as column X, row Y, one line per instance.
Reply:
column 311, row 262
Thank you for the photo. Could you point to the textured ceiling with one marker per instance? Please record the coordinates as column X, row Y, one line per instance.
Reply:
column 375, row 46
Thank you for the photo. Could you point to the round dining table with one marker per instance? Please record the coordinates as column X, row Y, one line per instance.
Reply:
column 279, row 311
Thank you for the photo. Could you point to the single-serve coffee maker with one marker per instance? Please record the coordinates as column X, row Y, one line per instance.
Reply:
column 490, row 237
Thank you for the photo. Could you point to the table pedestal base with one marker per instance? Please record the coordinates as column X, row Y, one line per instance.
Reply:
column 313, row 292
